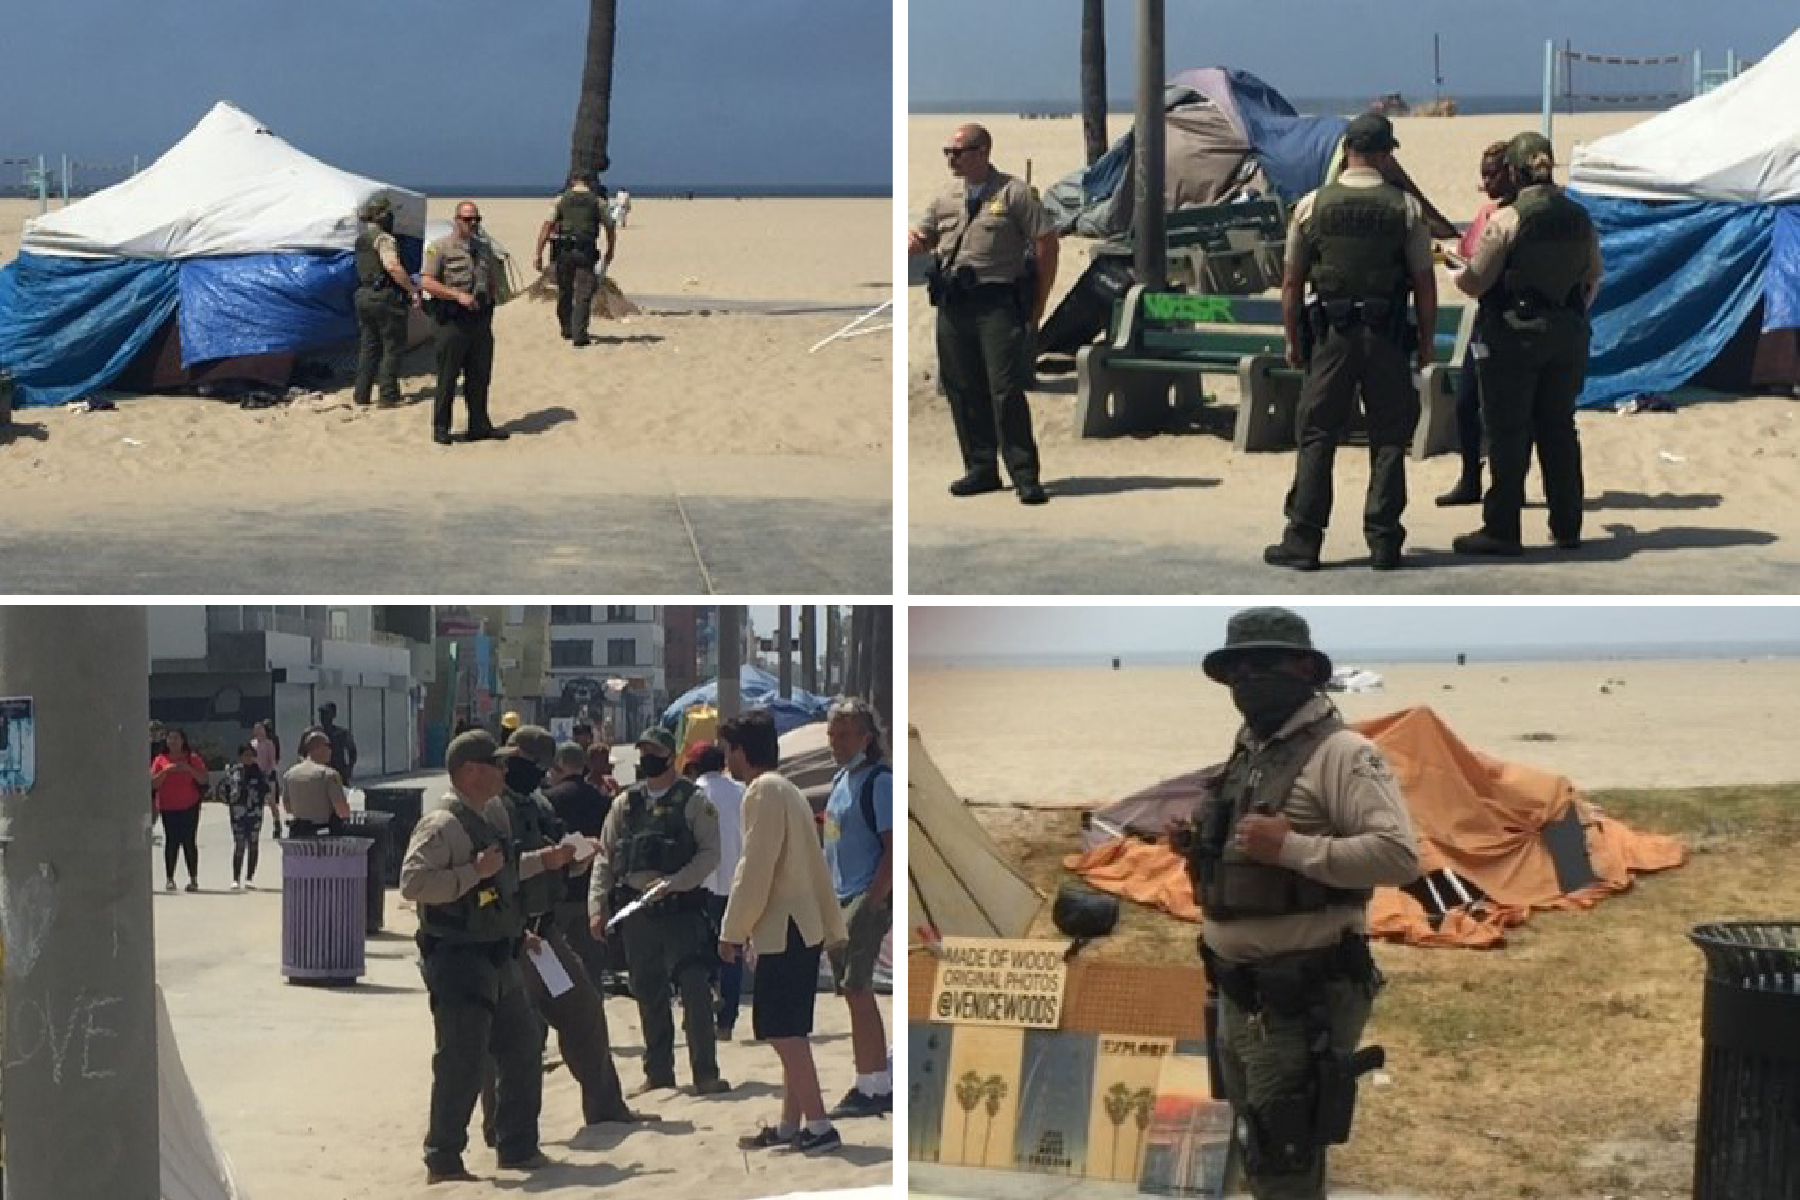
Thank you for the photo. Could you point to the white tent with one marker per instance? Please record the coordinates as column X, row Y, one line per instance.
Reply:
column 229, row 187
column 1739, row 143
column 193, row 1165
column 960, row 885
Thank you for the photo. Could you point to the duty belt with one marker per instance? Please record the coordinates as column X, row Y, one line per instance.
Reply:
column 1286, row 983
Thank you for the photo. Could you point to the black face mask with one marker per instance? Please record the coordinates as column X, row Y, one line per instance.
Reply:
column 1268, row 698
column 651, row 766
column 523, row 775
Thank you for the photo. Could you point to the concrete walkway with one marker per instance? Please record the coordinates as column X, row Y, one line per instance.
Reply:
column 926, row 1181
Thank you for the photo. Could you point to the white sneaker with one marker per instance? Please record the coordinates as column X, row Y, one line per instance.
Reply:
column 249, row 885
column 169, row 886
column 236, row 886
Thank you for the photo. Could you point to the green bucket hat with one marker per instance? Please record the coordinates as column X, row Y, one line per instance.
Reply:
column 1265, row 629
column 658, row 737
column 376, row 208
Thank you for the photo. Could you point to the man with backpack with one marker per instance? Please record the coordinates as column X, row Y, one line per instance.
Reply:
column 859, row 846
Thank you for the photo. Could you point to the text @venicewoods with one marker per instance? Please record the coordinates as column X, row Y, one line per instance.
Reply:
column 1000, row 984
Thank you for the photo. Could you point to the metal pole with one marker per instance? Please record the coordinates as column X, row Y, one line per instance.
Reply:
column 731, row 657
column 1149, row 257
column 809, row 647
column 43, row 182
column 80, row 1001
column 834, row 650
column 1731, row 64
column 65, row 180
column 784, row 649
column 1549, row 84
column 1696, row 72
column 881, row 675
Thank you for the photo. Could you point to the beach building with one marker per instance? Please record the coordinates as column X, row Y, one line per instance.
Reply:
column 217, row 669
column 591, row 644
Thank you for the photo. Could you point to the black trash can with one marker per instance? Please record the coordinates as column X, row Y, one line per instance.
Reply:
column 378, row 827
column 1744, row 1144
column 322, row 908
column 406, row 804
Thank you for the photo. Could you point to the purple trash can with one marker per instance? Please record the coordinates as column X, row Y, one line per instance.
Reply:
column 324, row 901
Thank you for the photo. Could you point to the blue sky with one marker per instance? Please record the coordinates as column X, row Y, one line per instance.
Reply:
column 986, row 54
column 706, row 92
column 1366, row 629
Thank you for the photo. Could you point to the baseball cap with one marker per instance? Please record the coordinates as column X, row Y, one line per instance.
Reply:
column 659, row 737
column 476, row 746
column 1370, row 131
column 534, row 742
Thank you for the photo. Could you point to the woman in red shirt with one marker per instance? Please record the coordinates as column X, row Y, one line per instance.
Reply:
column 179, row 777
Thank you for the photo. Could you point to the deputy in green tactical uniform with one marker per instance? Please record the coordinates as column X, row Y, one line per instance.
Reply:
column 1305, row 821
column 579, row 1014
column 463, row 870
column 383, row 290
column 1363, row 245
column 462, row 276
column 663, row 828
column 1535, row 271
column 573, row 235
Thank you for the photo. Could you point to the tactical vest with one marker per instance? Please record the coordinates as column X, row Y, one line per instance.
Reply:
column 1231, row 887
column 1360, row 234
column 369, row 271
column 533, row 829
column 489, row 911
column 657, row 835
column 1548, row 260
column 578, row 216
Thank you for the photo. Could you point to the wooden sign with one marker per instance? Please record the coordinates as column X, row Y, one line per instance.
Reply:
column 995, row 981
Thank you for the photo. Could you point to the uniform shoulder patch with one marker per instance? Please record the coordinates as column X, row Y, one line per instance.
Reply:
column 708, row 809
column 1370, row 765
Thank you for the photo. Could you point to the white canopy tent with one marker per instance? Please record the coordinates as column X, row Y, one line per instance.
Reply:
column 1739, row 143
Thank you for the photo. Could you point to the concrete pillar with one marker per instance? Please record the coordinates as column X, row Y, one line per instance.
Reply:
column 784, row 642
column 75, row 902
column 1149, row 223
column 731, row 656
column 809, row 647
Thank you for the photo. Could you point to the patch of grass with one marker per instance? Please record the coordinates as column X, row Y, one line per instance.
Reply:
column 1515, row 1071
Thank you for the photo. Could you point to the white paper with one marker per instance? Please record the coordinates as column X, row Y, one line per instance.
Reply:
column 549, row 969
column 585, row 847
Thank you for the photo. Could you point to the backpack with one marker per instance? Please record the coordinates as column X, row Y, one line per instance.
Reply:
column 865, row 799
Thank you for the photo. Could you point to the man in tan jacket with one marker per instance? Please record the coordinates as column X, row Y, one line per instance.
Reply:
column 1305, row 821
column 782, row 900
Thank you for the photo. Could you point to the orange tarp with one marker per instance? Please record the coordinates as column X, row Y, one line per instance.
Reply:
column 1475, row 815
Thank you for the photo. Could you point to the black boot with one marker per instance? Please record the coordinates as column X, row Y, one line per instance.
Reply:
column 1467, row 489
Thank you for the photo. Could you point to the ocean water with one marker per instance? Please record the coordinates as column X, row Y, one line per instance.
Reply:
column 1312, row 105
column 1347, row 655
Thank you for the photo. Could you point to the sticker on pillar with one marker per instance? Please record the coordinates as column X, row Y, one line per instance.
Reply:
column 18, row 745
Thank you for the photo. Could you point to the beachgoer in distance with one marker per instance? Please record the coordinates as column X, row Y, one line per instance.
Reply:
column 1535, row 272
column 180, row 779
column 1363, row 245
column 981, row 230
column 247, row 793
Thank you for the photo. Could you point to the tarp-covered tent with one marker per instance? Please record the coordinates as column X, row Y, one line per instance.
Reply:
column 1698, row 210
column 1496, row 840
column 807, row 763
column 240, row 242
column 959, row 883
column 1227, row 134
column 759, row 689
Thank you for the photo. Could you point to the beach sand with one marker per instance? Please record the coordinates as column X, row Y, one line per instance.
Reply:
column 1024, row 736
column 320, row 1093
column 1689, row 501
column 695, row 395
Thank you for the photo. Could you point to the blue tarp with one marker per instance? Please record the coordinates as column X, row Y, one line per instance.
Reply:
column 759, row 689
column 69, row 326
column 1680, row 281
column 1781, row 288
column 257, row 303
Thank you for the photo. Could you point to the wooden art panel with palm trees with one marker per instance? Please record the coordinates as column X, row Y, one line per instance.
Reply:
column 981, row 1103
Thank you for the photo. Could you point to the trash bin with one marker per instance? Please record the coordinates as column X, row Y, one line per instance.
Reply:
column 323, row 908
column 407, row 805
column 1744, row 1144
column 378, row 827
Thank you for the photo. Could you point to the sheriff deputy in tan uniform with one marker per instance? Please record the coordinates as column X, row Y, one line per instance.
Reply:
column 1306, row 820
column 312, row 791
column 463, row 870
column 462, row 276
column 981, row 230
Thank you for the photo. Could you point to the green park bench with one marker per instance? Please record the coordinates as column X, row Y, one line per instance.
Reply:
column 1161, row 344
column 1220, row 248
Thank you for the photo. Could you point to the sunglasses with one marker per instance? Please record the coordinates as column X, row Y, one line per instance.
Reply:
column 470, row 220
column 957, row 151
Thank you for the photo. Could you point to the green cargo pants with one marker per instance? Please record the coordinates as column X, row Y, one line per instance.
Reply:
column 1344, row 365
column 663, row 947
column 575, row 284
column 1529, row 384
column 1264, row 1059
column 479, row 1008
column 982, row 347
column 465, row 351
column 381, row 340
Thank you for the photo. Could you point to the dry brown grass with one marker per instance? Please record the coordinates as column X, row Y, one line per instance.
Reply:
column 1564, row 1066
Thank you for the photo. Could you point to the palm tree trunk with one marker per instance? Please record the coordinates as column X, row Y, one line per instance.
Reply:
column 593, row 115
column 1093, row 77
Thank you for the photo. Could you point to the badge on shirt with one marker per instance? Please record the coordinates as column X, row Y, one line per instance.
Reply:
column 708, row 809
column 997, row 207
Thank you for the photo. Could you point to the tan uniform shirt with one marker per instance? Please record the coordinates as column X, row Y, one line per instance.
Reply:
column 1350, row 830
column 993, row 243
column 313, row 791
column 440, row 860
column 1302, row 252
column 1497, row 236
column 465, row 265
column 702, row 818
column 388, row 250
